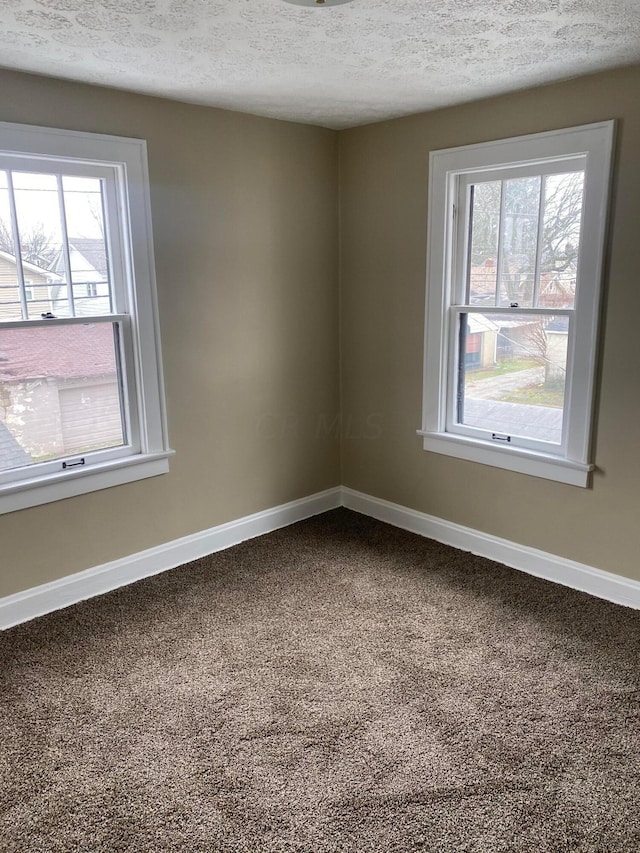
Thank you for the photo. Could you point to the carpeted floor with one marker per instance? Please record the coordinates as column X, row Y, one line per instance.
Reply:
column 339, row 685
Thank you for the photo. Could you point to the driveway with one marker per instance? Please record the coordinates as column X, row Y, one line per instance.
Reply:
column 496, row 387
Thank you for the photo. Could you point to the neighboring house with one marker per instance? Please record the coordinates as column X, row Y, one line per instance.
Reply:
column 38, row 282
column 90, row 276
column 494, row 338
column 481, row 341
column 51, row 408
column 46, row 289
column 557, row 288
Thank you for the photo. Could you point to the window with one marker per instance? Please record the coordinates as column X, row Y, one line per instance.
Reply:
column 516, row 245
column 81, row 396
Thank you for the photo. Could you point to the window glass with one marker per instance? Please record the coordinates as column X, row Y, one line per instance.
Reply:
column 524, row 240
column 62, row 233
column 519, row 239
column 40, row 233
column 83, row 202
column 562, row 222
column 516, row 256
column 10, row 304
column 59, row 392
column 482, row 270
column 512, row 374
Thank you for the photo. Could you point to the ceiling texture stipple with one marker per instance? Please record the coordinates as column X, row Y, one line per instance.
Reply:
column 336, row 66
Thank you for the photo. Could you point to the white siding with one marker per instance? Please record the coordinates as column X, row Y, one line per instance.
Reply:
column 90, row 416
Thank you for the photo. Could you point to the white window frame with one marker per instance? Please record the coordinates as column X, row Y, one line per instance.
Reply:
column 571, row 461
column 146, row 452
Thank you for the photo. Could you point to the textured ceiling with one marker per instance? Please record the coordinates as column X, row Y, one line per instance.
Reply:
column 336, row 66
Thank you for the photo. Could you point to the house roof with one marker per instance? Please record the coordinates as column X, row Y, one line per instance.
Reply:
column 556, row 290
column 88, row 259
column 482, row 279
column 12, row 455
column 93, row 250
column 481, row 323
column 64, row 352
column 29, row 267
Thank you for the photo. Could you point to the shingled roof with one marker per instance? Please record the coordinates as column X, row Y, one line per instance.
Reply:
column 64, row 352
column 88, row 255
column 12, row 455
column 29, row 267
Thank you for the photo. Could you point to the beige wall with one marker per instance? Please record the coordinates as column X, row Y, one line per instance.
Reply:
column 384, row 173
column 245, row 228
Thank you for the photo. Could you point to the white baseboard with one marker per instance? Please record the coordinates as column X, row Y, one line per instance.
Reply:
column 560, row 570
column 39, row 600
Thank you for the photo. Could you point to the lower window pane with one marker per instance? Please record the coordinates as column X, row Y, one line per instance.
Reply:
column 512, row 372
column 59, row 392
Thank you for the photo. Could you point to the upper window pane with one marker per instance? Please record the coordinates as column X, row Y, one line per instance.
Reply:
column 62, row 236
column 524, row 238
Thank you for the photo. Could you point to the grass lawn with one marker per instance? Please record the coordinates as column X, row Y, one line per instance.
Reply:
column 537, row 395
column 501, row 368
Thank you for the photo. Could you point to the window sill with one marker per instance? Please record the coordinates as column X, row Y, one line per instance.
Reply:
column 67, row 484
column 509, row 458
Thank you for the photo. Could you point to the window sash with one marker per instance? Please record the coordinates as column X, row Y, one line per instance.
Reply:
column 555, row 165
column 114, row 216
column 456, row 295
column 121, row 297
column 129, row 408
column 461, row 233
column 451, row 424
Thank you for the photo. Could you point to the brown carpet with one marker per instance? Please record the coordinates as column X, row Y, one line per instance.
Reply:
column 339, row 685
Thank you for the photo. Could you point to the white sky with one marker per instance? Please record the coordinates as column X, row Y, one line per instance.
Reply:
column 37, row 204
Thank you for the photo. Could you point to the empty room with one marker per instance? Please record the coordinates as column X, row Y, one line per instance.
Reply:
column 319, row 444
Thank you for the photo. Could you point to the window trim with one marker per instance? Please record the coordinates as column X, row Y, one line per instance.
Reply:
column 518, row 154
column 141, row 342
